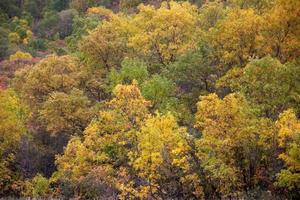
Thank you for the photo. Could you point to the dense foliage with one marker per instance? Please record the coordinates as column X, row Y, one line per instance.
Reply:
column 137, row 99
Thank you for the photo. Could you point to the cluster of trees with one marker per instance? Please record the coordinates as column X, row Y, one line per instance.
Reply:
column 161, row 100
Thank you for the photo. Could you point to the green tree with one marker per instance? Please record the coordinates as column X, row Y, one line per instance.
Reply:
column 132, row 69
column 37, row 187
column 80, row 27
column 4, row 43
column 65, row 24
column 195, row 74
column 47, row 26
column 159, row 90
column 268, row 84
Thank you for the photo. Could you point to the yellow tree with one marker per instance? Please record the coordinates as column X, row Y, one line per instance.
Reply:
column 163, row 34
column 12, row 128
column 163, row 161
column 106, row 45
column 210, row 14
column 281, row 30
column 288, row 126
column 259, row 5
column 231, row 138
column 19, row 55
column 64, row 113
column 100, row 11
column 158, row 35
column 235, row 39
column 54, row 73
column 108, row 136
column 106, row 142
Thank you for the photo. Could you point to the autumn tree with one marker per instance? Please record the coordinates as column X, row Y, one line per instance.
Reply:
column 105, row 144
column 157, row 35
column 106, row 45
column 288, row 126
column 235, row 39
column 119, row 115
column 52, row 74
column 232, row 136
column 163, row 34
column 163, row 161
column 13, row 115
column 19, row 55
column 210, row 14
column 20, row 31
column 67, row 113
column 127, row 5
column 281, row 30
column 258, row 5
column 56, row 111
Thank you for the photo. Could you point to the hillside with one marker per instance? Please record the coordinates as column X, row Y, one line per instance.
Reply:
column 136, row 99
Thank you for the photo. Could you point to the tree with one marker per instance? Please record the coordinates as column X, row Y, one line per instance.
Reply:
column 281, row 32
column 105, row 144
column 13, row 115
column 52, row 74
column 259, row 5
column 132, row 69
column 66, row 113
column 163, row 34
column 37, row 187
column 160, row 91
column 288, row 126
column 268, row 84
column 36, row 7
column 80, row 27
column 59, row 5
column 126, row 5
column 195, row 74
column 106, row 45
column 21, row 28
column 232, row 136
column 210, row 14
column 65, row 24
column 235, row 39
column 81, row 5
column 19, row 55
column 163, row 162
column 4, row 43
column 47, row 27
column 8, row 69
column 10, row 7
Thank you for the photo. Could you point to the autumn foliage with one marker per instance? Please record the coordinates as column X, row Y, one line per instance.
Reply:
column 105, row 99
